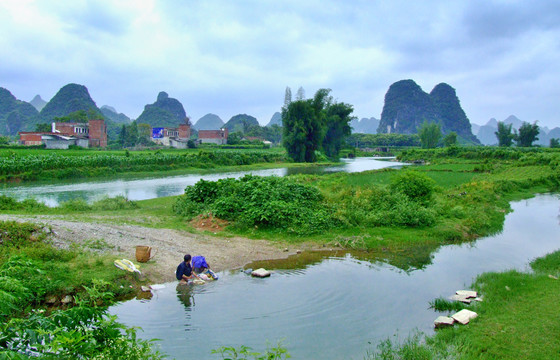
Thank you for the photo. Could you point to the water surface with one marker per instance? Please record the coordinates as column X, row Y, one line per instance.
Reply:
column 55, row 192
column 340, row 305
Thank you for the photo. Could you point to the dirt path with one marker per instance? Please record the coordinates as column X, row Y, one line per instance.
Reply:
column 168, row 245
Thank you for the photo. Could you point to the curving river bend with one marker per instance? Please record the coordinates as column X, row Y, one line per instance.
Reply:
column 337, row 305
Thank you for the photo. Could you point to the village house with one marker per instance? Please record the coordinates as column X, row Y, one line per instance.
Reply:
column 213, row 136
column 62, row 135
column 173, row 137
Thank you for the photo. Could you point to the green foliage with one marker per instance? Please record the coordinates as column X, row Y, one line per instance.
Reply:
column 75, row 205
column 255, row 201
column 411, row 348
column 450, row 139
column 8, row 203
column 243, row 352
column 429, row 134
column 504, row 134
column 77, row 333
column 441, row 304
column 314, row 124
column 374, row 140
column 118, row 202
column 41, row 164
column 527, row 134
column 415, row 185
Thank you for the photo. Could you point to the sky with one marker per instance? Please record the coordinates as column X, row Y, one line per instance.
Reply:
column 237, row 57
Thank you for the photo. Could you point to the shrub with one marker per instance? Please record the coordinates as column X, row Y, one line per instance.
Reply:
column 415, row 185
column 115, row 203
column 75, row 205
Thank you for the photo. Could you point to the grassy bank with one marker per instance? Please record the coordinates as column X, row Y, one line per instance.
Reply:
column 53, row 302
column 517, row 320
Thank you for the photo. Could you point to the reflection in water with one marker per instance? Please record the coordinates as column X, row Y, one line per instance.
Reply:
column 53, row 193
column 185, row 295
column 332, row 305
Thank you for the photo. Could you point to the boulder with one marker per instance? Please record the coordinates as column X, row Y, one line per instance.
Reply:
column 464, row 316
column 443, row 321
column 461, row 298
column 467, row 293
column 68, row 299
column 260, row 273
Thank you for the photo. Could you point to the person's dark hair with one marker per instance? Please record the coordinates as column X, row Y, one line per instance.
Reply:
column 187, row 257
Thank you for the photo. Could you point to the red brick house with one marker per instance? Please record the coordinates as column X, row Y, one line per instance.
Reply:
column 62, row 135
column 213, row 136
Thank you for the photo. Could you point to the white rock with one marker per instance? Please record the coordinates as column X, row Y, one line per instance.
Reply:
column 461, row 298
column 443, row 321
column 464, row 316
column 67, row 299
column 467, row 293
column 260, row 273
column 145, row 288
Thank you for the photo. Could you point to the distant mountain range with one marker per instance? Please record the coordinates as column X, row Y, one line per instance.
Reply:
column 365, row 125
column 486, row 133
column 15, row 115
column 110, row 113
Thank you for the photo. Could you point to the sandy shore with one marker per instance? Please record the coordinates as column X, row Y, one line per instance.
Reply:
column 168, row 246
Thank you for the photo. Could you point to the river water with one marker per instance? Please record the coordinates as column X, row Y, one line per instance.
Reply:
column 54, row 192
column 338, row 305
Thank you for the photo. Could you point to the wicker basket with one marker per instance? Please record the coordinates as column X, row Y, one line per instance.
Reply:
column 143, row 253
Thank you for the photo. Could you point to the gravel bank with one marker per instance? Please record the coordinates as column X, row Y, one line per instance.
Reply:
column 168, row 245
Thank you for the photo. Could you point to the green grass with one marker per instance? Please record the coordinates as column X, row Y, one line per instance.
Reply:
column 518, row 319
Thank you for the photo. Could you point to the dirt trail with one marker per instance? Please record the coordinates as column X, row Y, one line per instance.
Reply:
column 168, row 245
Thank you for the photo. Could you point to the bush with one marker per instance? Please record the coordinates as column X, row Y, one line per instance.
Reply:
column 75, row 205
column 115, row 203
column 415, row 185
column 253, row 201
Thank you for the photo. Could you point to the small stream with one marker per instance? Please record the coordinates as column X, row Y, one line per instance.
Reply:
column 53, row 193
column 335, row 305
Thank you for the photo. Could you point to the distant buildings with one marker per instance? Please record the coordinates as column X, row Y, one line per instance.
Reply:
column 213, row 136
column 62, row 135
column 174, row 137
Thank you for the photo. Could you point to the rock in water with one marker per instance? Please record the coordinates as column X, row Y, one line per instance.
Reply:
column 260, row 273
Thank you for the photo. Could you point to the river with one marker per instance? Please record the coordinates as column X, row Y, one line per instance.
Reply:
column 340, row 304
column 54, row 192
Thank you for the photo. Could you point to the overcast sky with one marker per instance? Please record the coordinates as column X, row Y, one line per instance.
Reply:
column 230, row 57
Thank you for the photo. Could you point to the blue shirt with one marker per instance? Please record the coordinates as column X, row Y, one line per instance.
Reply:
column 183, row 269
column 199, row 262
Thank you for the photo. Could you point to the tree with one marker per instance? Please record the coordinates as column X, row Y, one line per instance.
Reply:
column 287, row 96
column 527, row 134
column 234, row 138
column 504, row 135
column 314, row 124
column 338, row 127
column 300, row 95
column 554, row 143
column 450, row 139
column 429, row 134
column 301, row 131
column 144, row 134
column 44, row 127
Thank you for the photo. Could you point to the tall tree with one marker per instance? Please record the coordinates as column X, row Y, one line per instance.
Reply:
column 337, row 124
column 554, row 143
column 429, row 134
column 300, row 95
column 527, row 134
column 301, row 131
column 287, row 96
column 309, row 125
column 504, row 134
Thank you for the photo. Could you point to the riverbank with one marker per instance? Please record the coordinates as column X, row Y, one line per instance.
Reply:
column 169, row 245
